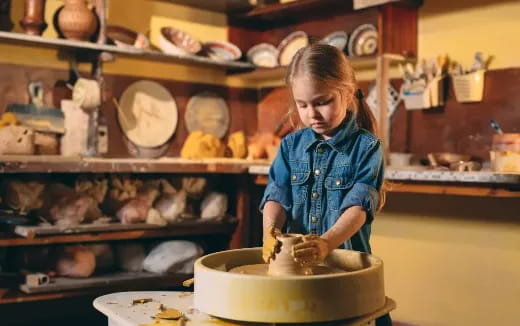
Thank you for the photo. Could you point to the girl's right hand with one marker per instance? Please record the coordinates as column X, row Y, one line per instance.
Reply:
column 271, row 245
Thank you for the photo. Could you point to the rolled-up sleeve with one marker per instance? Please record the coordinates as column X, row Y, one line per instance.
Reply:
column 368, row 181
column 279, row 185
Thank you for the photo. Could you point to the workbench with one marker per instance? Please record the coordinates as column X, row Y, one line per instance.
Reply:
column 121, row 310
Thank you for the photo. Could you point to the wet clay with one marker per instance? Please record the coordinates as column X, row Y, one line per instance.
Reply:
column 283, row 263
column 261, row 269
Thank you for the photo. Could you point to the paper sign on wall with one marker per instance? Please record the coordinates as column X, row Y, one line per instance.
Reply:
column 360, row 4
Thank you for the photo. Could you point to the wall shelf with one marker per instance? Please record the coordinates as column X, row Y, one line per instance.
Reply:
column 57, row 43
column 187, row 228
column 61, row 164
column 139, row 281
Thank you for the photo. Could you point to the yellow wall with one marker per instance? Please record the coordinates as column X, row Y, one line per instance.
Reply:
column 456, row 260
column 451, row 260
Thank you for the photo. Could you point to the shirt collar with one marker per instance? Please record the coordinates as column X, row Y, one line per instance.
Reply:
column 348, row 127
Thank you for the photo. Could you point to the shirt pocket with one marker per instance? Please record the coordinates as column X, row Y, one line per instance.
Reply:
column 300, row 173
column 337, row 184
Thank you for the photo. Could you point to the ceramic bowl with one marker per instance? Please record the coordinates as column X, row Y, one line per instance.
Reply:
column 363, row 41
column 222, row 50
column 174, row 41
column 290, row 45
column 263, row 55
column 338, row 39
column 127, row 38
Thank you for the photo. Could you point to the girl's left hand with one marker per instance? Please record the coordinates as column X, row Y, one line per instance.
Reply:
column 313, row 250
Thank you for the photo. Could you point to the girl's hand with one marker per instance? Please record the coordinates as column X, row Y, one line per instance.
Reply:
column 271, row 245
column 313, row 250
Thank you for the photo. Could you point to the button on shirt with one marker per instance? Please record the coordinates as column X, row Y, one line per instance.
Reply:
column 316, row 180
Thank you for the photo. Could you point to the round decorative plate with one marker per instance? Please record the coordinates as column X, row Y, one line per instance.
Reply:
column 290, row 45
column 208, row 113
column 363, row 41
column 263, row 55
column 338, row 39
column 222, row 50
column 148, row 114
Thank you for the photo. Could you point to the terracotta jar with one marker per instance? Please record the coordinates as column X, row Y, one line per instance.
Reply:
column 283, row 263
column 32, row 21
column 76, row 21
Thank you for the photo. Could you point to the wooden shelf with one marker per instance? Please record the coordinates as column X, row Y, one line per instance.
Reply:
column 137, row 283
column 261, row 17
column 279, row 72
column 57, row 43
column 186, row 228
column 460, row 189
column 223, row 6
column 61, row 164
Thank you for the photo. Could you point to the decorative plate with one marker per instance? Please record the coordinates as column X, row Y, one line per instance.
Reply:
column 363, row 41
column 338, row 39
column 175, row 41
column 126, row 38
column 290, row 45
column 208, row 113
column 148, row 114
column 222, row 50
column 263, row 55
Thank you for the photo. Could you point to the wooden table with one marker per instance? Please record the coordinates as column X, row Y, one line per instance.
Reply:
column 120, row 310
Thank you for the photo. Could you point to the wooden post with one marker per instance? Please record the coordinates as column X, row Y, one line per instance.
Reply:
column 382, row 82
column 240, row 238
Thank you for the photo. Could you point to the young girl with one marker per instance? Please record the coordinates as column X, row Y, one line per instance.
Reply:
column 326, row 180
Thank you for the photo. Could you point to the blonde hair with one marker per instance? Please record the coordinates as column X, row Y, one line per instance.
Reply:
column 329, row 67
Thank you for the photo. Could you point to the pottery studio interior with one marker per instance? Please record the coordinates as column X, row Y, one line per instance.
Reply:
column 259, row 162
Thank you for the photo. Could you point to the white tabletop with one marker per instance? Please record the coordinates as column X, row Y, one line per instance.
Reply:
column 120, row 311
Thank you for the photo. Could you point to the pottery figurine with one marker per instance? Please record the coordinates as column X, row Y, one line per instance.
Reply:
column 76, row 21
column 283, row 262
column 33, row 22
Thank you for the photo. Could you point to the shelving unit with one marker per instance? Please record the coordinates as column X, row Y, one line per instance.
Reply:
column 186, row 228
column 143, row 282
column 59, row 164
column 63, row 44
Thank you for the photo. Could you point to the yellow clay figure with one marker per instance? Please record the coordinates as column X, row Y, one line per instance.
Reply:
column 8, row 119
column 199, row 145
column 237, row 144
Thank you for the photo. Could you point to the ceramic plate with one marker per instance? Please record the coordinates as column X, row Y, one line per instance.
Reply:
column 263, row 55
column 338, row 39
column 148, row 114
column 363, row 41
column 209, row 113
column 290, row 45
column 222, row 50
column 174, row 41
column 127, row 38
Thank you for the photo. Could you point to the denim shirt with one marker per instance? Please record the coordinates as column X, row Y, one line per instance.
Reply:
column 316, row 180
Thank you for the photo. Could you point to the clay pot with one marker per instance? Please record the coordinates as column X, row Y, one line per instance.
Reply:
column 33, row 22
column 284, row 263
column 76, row 21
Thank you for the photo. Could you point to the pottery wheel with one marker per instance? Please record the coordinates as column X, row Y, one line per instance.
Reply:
column 354, row 288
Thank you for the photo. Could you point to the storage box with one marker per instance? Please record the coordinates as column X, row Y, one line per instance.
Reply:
column 469, row 87
column 432, row 96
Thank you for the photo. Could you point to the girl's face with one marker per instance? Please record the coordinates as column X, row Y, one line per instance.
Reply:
column 319, row 108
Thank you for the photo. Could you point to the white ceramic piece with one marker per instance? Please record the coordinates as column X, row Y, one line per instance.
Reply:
column 337, row 39
column 363, row 41
column 290, row 45
column 148, row 114
column 263, row 55
column 176, row 256
column 214, row 206
column 208, row 113
column 222, row 50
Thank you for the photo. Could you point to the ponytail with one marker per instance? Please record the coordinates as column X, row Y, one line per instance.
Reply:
column 364, row 116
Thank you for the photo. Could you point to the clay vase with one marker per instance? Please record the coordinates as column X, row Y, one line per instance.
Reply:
column 32, row 21
column 283, row 264
column 76, row 21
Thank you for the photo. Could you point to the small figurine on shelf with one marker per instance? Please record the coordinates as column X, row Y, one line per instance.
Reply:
column 33, row 22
